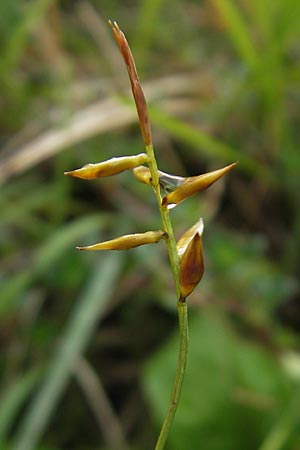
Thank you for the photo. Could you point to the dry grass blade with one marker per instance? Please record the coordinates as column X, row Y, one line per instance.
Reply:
column 106, row 115
column 107, row 420
column 89, row 309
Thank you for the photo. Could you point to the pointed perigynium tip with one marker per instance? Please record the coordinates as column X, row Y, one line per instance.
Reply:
column 72, row 173
column 193, row 185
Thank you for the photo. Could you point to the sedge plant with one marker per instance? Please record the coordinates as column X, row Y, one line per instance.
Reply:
column 185, row 255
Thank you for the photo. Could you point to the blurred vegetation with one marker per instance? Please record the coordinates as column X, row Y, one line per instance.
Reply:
column 88, row 341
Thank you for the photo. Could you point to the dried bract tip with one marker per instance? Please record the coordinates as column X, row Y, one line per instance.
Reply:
column 110, row 167
column 186, row 238
column 128, row 241
column 136, row 88
column 193, row 185
column 191, row 267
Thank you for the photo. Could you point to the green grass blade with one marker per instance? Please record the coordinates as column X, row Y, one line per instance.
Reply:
column 148, row 15
column 18, row 39
column 13, row 400
column 47, row 255
column 205, row 144
column 237, row 30
column 18, row 211
column 284, row 427
column 74, row 340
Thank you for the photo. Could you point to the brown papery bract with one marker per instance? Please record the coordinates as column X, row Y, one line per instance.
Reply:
column 186, row 238
column 191, row 267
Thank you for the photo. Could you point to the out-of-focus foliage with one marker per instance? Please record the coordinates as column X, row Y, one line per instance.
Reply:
column 88, row 342
column 239, row 389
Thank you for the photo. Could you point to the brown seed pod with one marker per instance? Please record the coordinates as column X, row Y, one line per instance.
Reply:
column 191, row 265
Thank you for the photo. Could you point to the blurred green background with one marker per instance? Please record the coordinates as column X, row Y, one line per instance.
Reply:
column 89, row 340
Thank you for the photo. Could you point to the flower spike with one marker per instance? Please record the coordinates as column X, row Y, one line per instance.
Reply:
column 107, row 168
column 128, row 241
column 192, row 185
column 136, row 87
column 186, row 258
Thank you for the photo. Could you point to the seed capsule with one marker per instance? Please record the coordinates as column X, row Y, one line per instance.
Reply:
column 128, row 241
column 192, row 185
column 191, row 265
column 110, row 167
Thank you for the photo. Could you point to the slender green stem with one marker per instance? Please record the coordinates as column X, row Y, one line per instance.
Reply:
column 181, row 305
column 165, row 217
column 180, row 371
